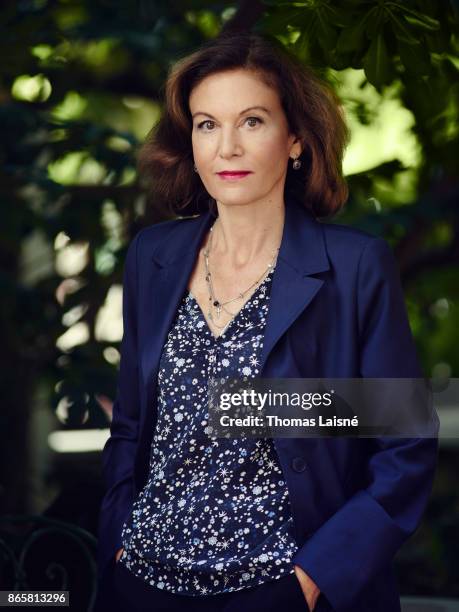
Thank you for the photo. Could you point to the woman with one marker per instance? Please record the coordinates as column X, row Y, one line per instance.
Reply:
column 253, row 286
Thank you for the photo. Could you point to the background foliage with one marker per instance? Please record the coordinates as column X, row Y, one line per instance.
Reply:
column 80, row 87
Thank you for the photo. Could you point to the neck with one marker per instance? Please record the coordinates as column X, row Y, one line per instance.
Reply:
column 245, row 234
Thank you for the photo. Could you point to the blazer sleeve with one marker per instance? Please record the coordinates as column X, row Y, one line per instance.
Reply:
column 363, row 536
column 118, row 454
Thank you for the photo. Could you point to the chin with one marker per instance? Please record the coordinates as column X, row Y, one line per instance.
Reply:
column 236, row 199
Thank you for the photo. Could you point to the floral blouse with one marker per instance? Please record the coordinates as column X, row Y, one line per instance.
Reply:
column 214, row 515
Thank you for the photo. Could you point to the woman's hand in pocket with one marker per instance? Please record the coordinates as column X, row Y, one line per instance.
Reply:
column 310, row 589
column 118, row 554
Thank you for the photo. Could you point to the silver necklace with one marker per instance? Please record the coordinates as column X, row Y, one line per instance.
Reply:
column 213, row 301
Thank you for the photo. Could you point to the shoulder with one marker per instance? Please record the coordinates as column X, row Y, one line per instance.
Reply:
column 350, row 244
column 150, row 238
column 166, row 228
column 339, row 236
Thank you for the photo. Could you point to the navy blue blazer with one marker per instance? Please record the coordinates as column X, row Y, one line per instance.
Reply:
column 336, row 310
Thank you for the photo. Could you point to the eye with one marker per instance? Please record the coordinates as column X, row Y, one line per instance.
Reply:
column 254, row 119
column 200, row 125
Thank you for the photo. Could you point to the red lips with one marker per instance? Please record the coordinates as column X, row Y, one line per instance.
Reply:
column 234, row 172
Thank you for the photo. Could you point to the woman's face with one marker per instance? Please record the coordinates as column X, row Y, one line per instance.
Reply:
column 230, row 134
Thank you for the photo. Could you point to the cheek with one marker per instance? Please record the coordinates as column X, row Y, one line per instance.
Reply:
column 203, row 148
column 272, row 155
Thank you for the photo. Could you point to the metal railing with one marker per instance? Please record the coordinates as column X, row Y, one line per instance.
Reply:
column 41, row 553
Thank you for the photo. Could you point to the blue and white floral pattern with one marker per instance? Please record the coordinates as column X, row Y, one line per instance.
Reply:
column 214, row 515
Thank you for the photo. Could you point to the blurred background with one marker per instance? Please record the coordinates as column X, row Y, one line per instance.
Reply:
column 80, row 87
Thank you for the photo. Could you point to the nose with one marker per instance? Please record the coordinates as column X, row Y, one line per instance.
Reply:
column 229, row 144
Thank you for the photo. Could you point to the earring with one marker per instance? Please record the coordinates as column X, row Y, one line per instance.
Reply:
column 296, row 163
column 194, row 168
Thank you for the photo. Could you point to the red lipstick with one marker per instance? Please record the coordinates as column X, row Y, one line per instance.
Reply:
column 233, row 174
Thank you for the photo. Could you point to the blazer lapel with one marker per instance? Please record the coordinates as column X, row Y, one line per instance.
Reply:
column 172, row 264
column 301, row 254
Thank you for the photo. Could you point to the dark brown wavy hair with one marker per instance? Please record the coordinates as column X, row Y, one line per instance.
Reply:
column 312, row 109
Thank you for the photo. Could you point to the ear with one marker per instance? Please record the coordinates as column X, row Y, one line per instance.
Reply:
column 295, row 147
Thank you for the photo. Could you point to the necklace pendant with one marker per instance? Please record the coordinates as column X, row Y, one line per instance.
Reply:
column 218, row 306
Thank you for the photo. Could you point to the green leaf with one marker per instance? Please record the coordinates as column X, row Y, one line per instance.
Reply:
column 301, row 47
column 340, row 61
column 420, row 20
column 352, row 39
column 376, row 63
column 338, row 16
column 422, row 25
column 415, row 58
column 326, row 35
column 374, row 22
column 402, row 31
column 278, row 20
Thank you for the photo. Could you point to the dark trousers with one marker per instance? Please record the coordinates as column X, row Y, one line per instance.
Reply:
column 121, row 591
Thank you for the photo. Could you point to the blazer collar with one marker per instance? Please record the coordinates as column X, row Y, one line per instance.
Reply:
column 302, row 245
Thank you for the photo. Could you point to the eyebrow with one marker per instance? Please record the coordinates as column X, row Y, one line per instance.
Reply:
column 241, row 113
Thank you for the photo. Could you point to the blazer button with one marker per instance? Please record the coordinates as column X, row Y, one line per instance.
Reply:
column 299, row 464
